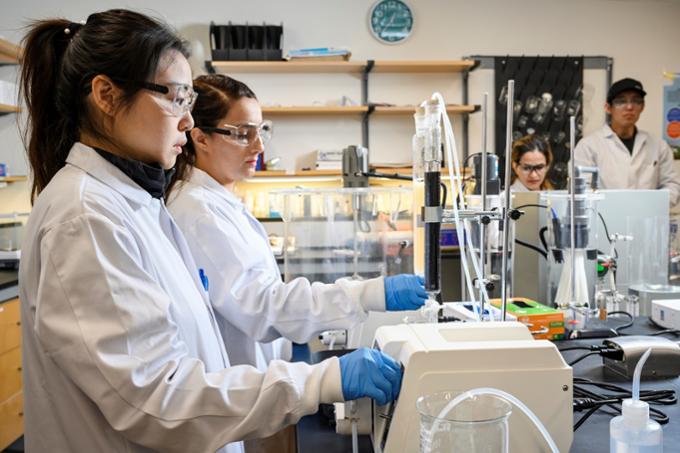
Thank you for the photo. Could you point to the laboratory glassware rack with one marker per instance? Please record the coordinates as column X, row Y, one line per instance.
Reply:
column 364, row 68
column 508, row 66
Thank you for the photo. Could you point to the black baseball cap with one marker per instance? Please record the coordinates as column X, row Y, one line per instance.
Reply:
column 622, row 85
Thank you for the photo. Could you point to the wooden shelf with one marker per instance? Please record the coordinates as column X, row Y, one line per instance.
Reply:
column 267, row 173
column 355, row 110
column 13, row 178
column 289, row 67
column 4, row 108
column 348, row 67
column 421, row 67
column 409, row 110
column 297, row 174
column 392, row 170
column 301, row 174
column 315, row 110
column 9, row 53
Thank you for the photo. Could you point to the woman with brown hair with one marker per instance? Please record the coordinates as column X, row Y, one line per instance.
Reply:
column 531, row 160
column 120, row 346
column 246, row 290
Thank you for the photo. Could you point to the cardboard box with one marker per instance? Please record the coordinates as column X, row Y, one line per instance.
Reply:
column 537, row 317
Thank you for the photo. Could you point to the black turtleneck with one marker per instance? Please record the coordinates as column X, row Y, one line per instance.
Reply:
column 629, row 142
column 151, row 178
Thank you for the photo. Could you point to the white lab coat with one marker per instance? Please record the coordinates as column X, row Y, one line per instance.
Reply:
column 245, row 287
column 518, row 186
column 121, row 351
column 649, row 167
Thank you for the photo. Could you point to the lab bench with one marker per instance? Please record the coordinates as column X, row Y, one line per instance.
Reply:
column 314, row 432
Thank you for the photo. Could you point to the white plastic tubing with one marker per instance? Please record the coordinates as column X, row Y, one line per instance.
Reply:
column 453, row 164
column 501, row 394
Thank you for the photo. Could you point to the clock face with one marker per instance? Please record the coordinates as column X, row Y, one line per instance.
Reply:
column 390, row 21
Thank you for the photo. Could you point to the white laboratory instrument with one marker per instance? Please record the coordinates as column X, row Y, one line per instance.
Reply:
column 363, row 334
column 464, row 356
column 640, row 263
column 466, row 311
column 666, row 313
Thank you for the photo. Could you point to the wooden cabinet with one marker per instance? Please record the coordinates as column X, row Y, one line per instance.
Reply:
column 11, row 397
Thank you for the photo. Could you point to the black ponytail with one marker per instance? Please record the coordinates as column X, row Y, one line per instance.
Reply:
column 59, row 62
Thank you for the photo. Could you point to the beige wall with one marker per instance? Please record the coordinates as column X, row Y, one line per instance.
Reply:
column 641, row 36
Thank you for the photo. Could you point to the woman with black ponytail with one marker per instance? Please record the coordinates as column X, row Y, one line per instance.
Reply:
column 120, row 346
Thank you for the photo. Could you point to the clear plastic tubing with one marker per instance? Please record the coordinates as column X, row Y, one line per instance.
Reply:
column 500, row 393
column 453, row 165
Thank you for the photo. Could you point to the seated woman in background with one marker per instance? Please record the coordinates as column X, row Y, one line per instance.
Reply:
column 531, row 160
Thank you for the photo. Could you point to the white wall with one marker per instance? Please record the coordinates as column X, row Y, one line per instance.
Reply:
column 641, row 36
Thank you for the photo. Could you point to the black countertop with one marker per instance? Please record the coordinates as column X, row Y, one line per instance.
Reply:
column 8, row 279
column 9, row 285
column 315, row 434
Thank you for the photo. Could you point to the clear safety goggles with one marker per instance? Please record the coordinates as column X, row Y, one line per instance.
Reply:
column 526, row 168
column 622, row 102
column 243, row 134
column 182, row 96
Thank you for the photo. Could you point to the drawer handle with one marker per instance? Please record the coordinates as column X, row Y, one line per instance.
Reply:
column 18, row 323
column 18, row 368
column 21, row 414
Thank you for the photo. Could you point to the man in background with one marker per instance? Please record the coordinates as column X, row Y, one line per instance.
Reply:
column 627, row 157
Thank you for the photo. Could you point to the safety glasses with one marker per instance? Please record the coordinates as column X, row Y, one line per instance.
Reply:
column 243, row 134
column 183, row 96
column 622, row 102
column 526, row 168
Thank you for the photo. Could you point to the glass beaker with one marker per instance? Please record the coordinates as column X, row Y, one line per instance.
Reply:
column 478, row 424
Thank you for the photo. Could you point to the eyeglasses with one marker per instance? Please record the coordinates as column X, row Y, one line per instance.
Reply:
column 183, row 96
column 244, row 134
column 528, row 169
column 622, row 102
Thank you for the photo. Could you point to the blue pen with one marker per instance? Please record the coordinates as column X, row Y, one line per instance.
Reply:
column 204, row 278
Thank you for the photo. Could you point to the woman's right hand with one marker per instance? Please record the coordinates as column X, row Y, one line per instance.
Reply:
column 370, row 373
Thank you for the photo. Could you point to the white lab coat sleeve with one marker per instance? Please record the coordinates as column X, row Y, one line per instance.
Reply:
column 668, row 176
column 249, row 293
column 108, row 326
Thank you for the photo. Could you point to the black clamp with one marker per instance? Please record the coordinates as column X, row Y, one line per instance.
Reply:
column 515, row 214
column 489, row 285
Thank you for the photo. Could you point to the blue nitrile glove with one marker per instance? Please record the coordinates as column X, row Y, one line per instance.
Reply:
column 404, row 292
column 368, row 372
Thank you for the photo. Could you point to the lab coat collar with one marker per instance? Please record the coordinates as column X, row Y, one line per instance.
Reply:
column 640, row 137
column 203, row 179
column 607, row 131
column 88, row 160
column 518, row 186
column 152, row 178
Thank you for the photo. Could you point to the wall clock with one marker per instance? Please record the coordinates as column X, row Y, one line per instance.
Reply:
column 390, row 21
